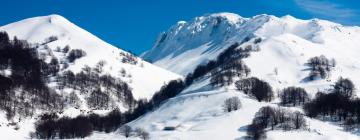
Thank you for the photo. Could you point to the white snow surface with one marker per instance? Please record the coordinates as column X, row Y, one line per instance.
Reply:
column 203, row 38
column 144, row 78
column 197, row 114
column 287, row 43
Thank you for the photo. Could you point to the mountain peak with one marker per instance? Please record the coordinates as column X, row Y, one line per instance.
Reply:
column 36, row 29
column 232, row 17
column 288, row 17
column 279, row 53
column 202, row 38
column 39, row 30
column 56, row 19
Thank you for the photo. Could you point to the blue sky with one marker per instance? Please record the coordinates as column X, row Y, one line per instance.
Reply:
column 133, row 25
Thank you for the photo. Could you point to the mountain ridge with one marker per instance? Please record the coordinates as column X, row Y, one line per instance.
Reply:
column 37, row 29
column 162, row 53
column 78, row 53
column 278, row 53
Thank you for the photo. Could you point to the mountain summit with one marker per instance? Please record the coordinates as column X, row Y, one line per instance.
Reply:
column 40, row 29
column 227, row 58
column 203, row 38
column 78, row 71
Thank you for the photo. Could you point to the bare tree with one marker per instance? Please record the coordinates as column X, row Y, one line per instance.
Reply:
column 126, row 130
column 231, row 104
column 255, row 87
column 293, row 96
column 298, row 120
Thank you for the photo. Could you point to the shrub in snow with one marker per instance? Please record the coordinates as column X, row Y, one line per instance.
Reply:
column 258, row 40
column 293, row 96
column 231, row 104
column 320, row 67
column 125, row 130
column 75, row 54
column 66, row 49
column 344, row 87
column 99, row 66
column 50, row 39
column 255, row 87
column 273, row 118
column 128, row 58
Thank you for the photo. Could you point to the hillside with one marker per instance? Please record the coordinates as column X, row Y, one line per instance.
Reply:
column 283, row 48
column 106, row 77
column 38, row 29
column 203, row 38
column 262, row 77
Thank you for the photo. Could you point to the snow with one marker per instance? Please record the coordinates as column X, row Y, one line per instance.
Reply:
column 197, row 114
column 37, row 29
column 287, row 43
column 183, row 40
column 8, row 131
column 213, row 37
column 144, row 78
column 319, row 131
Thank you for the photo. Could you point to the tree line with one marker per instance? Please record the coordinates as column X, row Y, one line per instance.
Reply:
column 232, row 53
column 274, row 118
column 51, row 126
column 339, row 105
column 23, row 87
column 224, row 74
column 98, row 87
column 89, row 81
column 175, row 87
column 24, row 75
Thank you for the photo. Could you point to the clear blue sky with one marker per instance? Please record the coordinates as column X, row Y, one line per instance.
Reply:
column 134, row 24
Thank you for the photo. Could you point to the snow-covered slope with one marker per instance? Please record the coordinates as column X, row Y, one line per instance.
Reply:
column 202, row 39
column 143, row 78
column 287, row 43
column 197, row 114
column 38, row 29
column 193, row 43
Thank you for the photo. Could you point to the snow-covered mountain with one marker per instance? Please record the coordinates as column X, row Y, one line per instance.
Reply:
column 279, row 52
column 51, row 35
column 194, row 42
column 284, row 45
column 38, row 29
column 203, row 38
